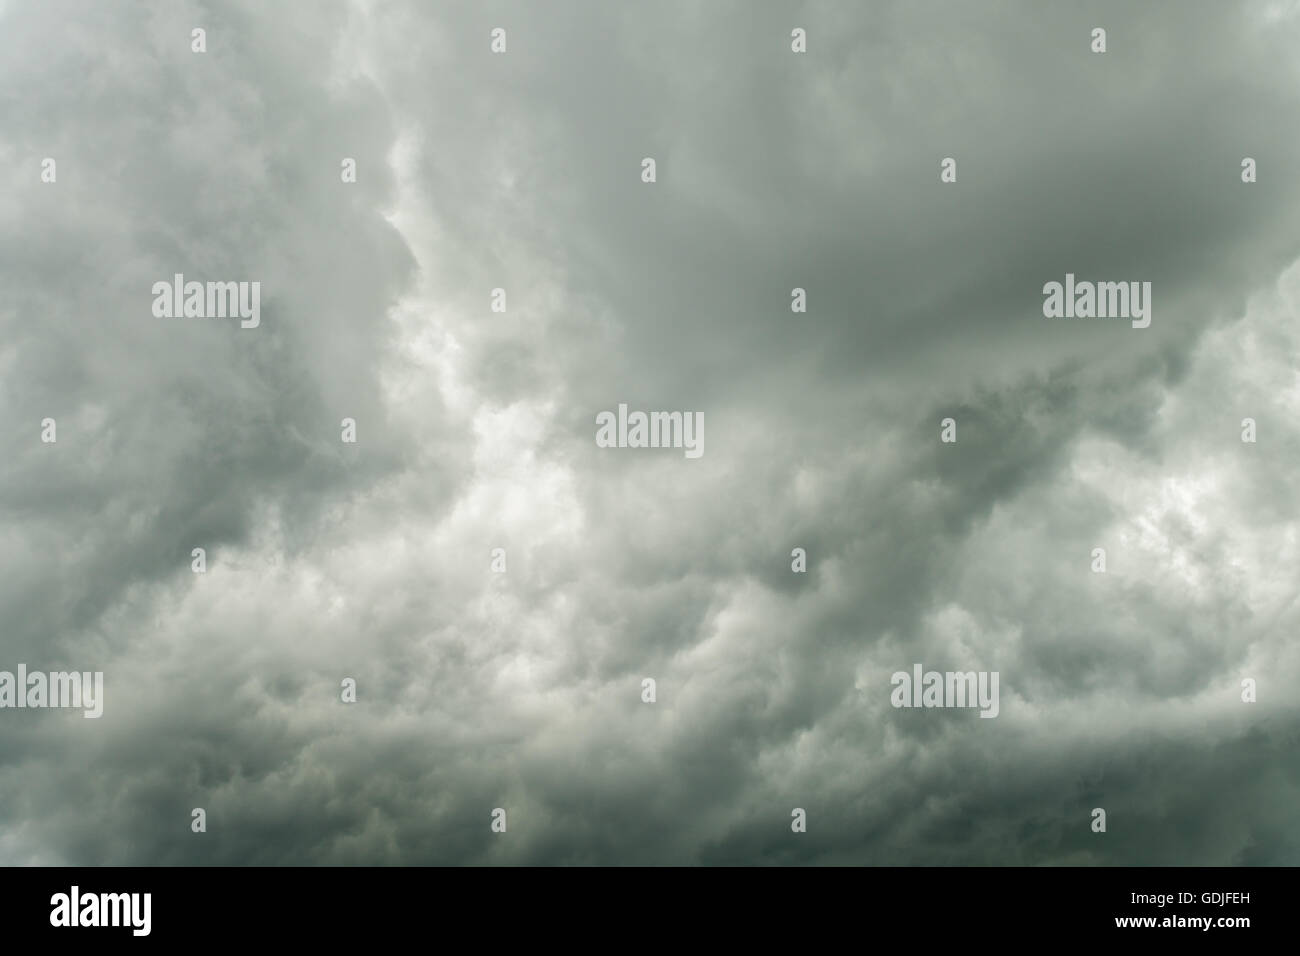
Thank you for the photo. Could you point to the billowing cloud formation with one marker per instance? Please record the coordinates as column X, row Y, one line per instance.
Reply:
column 522, row 690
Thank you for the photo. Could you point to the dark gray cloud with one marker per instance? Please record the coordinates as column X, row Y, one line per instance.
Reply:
column 523, row 690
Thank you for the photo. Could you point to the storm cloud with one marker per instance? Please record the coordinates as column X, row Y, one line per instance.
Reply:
column 522, row 171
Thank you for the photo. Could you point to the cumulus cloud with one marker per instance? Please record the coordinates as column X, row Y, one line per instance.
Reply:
column 522, row 689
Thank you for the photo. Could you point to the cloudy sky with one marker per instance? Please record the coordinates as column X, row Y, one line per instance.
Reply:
column 475, row 430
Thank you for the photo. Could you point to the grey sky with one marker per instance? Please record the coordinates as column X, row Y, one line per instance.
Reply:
column 475, row 431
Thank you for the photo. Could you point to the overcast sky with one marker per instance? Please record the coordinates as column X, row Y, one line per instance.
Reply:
column 476, row 430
